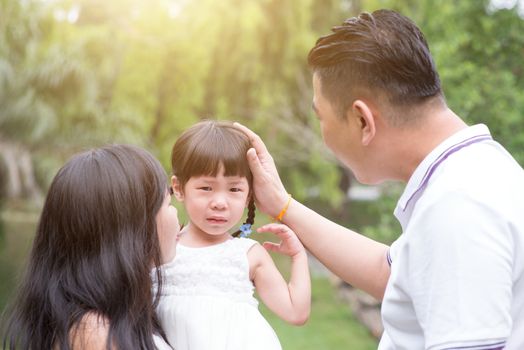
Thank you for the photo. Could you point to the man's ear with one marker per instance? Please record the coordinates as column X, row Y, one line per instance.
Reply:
column 366, row 120
column 177, row 189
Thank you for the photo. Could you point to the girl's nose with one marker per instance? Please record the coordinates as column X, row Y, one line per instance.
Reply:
column 218, row 202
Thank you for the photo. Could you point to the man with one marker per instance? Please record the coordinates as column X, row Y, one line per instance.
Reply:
column 455, row 277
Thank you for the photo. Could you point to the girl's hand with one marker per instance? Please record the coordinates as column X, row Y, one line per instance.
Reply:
column 289, row 245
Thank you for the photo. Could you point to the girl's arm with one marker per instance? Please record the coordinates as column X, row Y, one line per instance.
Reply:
column 290, row 301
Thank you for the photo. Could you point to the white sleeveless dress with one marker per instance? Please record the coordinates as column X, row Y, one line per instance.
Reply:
column 207, row 300
column 160, row 344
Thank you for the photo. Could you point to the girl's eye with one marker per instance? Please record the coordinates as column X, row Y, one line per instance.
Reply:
column 205, row 188
column 235, row 189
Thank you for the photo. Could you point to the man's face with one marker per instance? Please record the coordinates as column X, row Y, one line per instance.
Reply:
column 340, row 133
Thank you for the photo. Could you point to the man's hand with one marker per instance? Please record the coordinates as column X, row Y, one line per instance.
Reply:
column 270, row 194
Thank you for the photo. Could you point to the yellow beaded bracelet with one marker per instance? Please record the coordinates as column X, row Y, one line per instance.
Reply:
column 283, row 211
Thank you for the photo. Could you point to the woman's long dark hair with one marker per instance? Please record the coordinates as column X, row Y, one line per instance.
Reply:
column 93, row 252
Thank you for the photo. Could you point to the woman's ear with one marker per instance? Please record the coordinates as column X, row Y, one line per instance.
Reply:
column 177, row 189
column 366, row 119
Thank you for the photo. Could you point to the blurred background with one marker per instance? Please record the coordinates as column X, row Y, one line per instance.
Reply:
column 75, row 74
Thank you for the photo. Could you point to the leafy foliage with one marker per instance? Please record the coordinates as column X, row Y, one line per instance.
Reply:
column 77, row 73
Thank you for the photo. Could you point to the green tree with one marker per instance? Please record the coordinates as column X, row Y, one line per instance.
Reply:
column 141, row 72
column 166, row 70
column 47, row 97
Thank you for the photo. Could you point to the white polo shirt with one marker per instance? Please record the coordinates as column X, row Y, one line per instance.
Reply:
column 457, row 270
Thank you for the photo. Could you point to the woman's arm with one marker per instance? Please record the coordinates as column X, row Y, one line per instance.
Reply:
column 356, row 259
column 290, row 301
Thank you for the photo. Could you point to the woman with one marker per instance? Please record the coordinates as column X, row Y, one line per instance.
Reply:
column 106, row 222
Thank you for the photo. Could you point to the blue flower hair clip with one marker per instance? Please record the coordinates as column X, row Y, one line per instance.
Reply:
column 245, row 230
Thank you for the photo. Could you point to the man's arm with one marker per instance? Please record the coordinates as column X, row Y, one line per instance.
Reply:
column 356, row 259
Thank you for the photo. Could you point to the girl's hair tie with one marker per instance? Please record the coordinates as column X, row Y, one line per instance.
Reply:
column 245, row 230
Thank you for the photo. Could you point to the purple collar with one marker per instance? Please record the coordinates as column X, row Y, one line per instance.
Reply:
column 435, row 158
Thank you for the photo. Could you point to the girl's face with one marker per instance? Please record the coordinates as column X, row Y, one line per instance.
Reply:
column 214, row 204
column 168, row 229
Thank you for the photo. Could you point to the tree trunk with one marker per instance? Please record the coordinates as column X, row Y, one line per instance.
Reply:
column 18, row 177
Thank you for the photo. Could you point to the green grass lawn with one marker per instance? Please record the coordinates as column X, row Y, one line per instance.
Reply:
column 331, row 325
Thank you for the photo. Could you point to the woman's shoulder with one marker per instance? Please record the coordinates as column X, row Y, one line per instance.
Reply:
column 90, row 332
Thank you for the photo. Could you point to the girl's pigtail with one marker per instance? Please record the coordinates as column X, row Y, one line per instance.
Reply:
column 245, row 229
column 251, row 212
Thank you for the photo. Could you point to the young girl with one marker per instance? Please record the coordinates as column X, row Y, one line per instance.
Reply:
column 207, row 300
column 107, row 220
